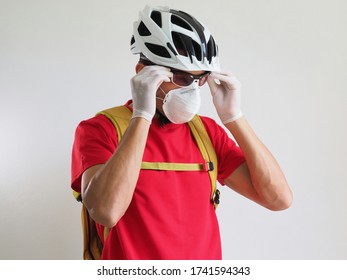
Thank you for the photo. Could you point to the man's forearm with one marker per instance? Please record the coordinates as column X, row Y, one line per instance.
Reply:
column 267, row 177
column 110, row 190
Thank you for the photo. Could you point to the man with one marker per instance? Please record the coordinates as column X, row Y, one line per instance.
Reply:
column 168, row 214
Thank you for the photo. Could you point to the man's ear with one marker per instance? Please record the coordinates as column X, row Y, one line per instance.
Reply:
column 139, row 67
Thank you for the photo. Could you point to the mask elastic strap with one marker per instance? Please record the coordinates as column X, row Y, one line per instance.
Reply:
column 162, row 92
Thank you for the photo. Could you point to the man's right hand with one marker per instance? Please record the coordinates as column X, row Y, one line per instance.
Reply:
column 144, row 86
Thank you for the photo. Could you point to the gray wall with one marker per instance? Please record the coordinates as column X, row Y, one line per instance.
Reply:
column 62, row 61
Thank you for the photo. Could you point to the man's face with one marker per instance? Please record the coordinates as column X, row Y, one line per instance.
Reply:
column 180, row 77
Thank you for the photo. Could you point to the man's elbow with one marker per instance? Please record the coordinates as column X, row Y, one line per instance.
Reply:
column 105, row 217
column 282, row 202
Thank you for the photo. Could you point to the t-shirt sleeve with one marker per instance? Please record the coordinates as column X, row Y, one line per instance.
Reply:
column 94, row 143
column 229, row 154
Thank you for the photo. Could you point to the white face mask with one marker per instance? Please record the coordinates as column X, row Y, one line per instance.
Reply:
column 182, row 104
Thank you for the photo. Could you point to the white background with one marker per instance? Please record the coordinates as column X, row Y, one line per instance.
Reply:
column 62, row 61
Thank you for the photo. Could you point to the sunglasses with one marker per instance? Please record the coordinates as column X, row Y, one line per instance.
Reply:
column 181, row 78
column 184, row 79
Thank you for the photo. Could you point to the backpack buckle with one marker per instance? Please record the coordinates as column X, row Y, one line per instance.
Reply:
column 208, row 166
column 216, row 198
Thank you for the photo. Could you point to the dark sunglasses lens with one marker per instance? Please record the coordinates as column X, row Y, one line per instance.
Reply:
column 182, row 79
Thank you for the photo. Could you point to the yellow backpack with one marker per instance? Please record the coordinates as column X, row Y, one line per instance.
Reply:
column 120, row 117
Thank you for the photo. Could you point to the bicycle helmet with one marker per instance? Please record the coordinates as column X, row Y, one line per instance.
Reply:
column 175, row 39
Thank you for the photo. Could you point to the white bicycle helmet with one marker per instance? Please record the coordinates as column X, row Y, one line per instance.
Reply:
column 175, row 39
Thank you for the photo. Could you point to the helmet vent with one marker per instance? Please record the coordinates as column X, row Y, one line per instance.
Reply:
column 158, row 50
column 143, row 30
column 211, row 49
column 180, row 22
column 179, row 44
column 197, row 50
column 156, row 16
column 171, row 48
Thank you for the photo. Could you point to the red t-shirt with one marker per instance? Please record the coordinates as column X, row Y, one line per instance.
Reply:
column 171, row 215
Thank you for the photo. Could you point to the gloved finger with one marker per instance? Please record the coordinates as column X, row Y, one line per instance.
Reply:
column 154, row 75
column 222, row 72
column 227, row 79
column 155, row 70
column 158, row 79
column 212, row 85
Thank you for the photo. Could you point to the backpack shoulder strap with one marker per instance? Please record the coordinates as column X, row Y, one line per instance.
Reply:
column 208, row 152
column 120, row 117
column 92, row 244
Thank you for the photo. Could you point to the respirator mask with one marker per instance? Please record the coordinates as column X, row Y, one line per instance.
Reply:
column 182, row 104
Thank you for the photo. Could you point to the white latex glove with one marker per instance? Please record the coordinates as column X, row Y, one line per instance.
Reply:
column 144, row 86
column 226, row 95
